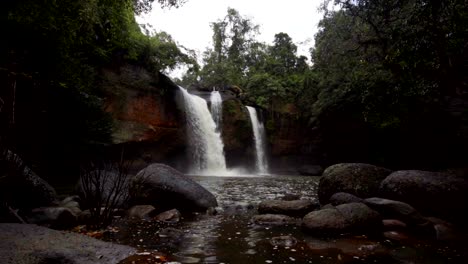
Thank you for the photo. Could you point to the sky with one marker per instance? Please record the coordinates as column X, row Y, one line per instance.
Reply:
column 189, row 25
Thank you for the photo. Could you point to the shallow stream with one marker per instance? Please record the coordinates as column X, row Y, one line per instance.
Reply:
column 229, row 236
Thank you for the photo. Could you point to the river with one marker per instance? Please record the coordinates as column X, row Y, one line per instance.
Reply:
column 229, row 235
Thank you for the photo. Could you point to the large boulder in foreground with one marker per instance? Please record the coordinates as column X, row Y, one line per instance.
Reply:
column 297, row 208
column 167, row 188
column 431, row 193
column 31, row 244
column 359, row 179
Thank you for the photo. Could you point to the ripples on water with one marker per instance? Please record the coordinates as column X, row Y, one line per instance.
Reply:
column 229, row 236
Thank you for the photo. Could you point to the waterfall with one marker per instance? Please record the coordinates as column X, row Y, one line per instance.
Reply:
column 217, row 108
column 205, row 145
column 260, row 138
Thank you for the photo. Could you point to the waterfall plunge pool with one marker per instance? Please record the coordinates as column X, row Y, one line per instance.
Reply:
column 231, row 237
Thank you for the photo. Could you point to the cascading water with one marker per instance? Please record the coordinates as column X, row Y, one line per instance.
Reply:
column 260, row 141
column 217, row 108
column 205, row 144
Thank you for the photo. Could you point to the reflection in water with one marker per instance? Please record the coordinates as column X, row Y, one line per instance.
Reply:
column 230, row 237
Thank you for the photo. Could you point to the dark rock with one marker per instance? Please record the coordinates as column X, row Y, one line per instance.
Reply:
column 352, row 217
column 171, row 216
column 431, row 193
column 444, row 232
column 310, row 170
column 397, row 210
column 327, row 206
column 362, row 180
column 142, row 211
column 396, row 236
column 161, row 185
column 393, row 224
column 72, row 203
column 54, row 217
column 343, row 198
column 283, row 241
column 31, row 244
column 360, row 218
column 273, row 219
column 20, row 180
column 326, row 221
column 297, row 208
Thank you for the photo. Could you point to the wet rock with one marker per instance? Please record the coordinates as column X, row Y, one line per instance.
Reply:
column 283, row 241
column 328, row 206
column 343, row 198
column 142, row 211
column 31, row 244
column 310, row 170
column 359, row 179
column 396, row 236
column 161, row 185
column 445, row 231
column 360, row 218
column 432, row 193
column 396, row 210
column 171, row 216
column 393, row 224
column 326, row 221
column 273, row 219
column 297, row 208
column 53, row 217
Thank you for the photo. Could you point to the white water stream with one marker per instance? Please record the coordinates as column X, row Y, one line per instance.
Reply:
column 205, row 145
column 260, row 141
column 217, row 108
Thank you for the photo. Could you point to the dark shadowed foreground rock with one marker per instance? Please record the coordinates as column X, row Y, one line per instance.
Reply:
column 53, row 217
column 163, row 186
column 343, row 198
column 362, row 180
column 297, row 208
column 351, row 217
column 31, row 244
column 431, row 193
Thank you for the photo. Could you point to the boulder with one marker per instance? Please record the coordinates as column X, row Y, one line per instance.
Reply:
column 273, row 219
column 352, row 217
column 310, row 170
column 142, row 211
column 393, row 224
column 431, row 193
column 31, row 244
column 359, row 179
column 396, row 210
column 53, row 217
column 21, row 187
column 343, row 198
column 171, row 216
column 163, row 186
column 360, row 218
column 297, row 208
column 324, row 222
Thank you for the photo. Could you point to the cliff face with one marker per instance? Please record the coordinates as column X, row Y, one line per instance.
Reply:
column 292, row 142
column 147, row 120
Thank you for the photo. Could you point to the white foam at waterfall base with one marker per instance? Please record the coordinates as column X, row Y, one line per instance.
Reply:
column 260, row 141
column 216, row 108
column 206, row 149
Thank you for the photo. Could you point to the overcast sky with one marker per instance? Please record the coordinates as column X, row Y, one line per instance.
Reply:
column 189, row 25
